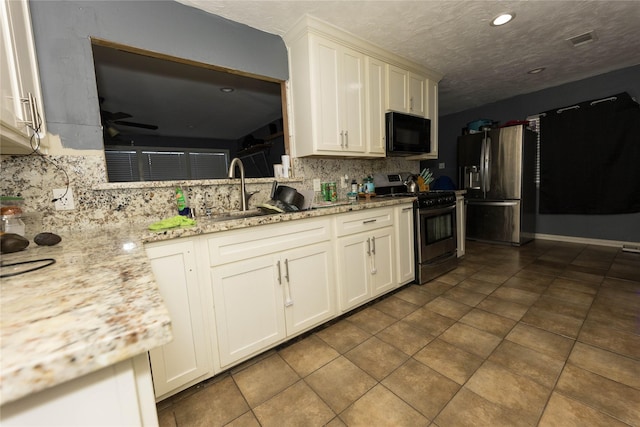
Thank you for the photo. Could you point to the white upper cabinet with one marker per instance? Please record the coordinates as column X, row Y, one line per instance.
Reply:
column 406, row 91
column 328, row 95
column 337, row 76
column 376, row 74
column 340, row 88
column 431, row 112
column 21, row 109
column 416, row 94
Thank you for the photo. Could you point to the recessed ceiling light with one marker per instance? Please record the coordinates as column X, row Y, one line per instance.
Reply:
column 226, row 89
column 536, row 70
column 502, row 19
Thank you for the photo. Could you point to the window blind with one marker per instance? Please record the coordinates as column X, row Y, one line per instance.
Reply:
column 157, row 164
column 164, row 165
column 208, row 165
column 122, row 166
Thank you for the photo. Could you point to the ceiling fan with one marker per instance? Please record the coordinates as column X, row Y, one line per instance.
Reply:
column 109, row 119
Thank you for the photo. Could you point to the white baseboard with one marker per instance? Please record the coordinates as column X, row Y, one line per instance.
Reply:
column 588, row 241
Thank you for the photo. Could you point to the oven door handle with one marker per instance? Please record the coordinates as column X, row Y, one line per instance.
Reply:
column 437, row 211
column 507, row 203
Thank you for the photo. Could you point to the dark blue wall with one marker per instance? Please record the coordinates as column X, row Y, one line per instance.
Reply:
column 607, row 227
column 62, row 31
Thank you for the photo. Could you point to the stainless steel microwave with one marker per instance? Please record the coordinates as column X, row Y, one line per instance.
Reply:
column 407, row 135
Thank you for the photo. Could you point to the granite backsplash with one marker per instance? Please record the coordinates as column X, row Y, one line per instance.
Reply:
column 99, row 204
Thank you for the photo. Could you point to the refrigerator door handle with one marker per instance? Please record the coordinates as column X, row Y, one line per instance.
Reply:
column 482, row 169
column 487, row 168
column 484, row 203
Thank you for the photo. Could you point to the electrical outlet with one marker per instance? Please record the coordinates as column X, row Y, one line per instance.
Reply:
column 440, row 165
column 63, row 202
column 343, row 181
column 316, row 185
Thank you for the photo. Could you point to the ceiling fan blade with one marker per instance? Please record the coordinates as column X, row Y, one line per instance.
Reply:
column 136, row 125
column 108, row 115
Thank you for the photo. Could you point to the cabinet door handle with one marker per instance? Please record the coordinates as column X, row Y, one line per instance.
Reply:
column 369, row 221
column 346, row 138
column 368, row 246
column 410, row 208
column 32, row 121
column 286, row 269
column 279, row 273
column 288, row 301
column 341, row 138
column 373, row 245
column 374, row 270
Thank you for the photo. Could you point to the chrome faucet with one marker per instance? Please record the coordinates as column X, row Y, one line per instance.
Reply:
column 243, row 195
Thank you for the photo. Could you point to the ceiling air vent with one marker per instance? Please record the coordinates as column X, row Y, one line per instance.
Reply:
column 581, row 39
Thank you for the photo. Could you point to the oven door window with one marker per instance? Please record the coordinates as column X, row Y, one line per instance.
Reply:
column 437, row 233
column 437, row 228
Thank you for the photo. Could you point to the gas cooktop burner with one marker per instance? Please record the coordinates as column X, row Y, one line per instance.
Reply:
column 427, row 199
column 421, row 194
column 404, row 194
column 436, row 199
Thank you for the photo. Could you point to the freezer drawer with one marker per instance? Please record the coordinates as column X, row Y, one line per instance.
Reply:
column 496, row 221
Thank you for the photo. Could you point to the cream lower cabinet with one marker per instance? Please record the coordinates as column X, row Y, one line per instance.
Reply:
column 365, row 254
column 309, row 286
column 118, row 395
column 234, row 294
column 405, row 243
column 187, row 359
column 279, row 281
column 249, row 307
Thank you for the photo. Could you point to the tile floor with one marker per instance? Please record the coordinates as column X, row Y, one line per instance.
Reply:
column 547, row 334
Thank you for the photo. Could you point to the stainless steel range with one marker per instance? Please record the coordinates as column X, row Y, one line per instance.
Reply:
column 434, row 214
column 436, row 234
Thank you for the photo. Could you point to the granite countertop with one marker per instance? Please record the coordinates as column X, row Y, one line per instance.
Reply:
column 96, row 306
column 99, row 303
column 213, row 225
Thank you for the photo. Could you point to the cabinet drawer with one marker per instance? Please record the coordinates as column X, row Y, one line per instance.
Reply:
column 235, row 245
column 368, row 219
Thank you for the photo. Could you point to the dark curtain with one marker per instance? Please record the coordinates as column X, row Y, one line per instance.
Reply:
column 590, row 158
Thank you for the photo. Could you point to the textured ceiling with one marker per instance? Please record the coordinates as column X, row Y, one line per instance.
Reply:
column 480, row 63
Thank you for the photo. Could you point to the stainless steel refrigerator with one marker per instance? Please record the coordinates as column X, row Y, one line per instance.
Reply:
column 497, row 168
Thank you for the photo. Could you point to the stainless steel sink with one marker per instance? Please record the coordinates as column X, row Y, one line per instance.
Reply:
column 229, row 216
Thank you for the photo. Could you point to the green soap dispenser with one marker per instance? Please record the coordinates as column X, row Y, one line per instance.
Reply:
column 183, row 209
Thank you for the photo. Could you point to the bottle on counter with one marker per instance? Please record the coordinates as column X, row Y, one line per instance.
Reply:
column 352, row 196
column 183, row 209
column 11, row 219
column 333, row 192
column 369, row 187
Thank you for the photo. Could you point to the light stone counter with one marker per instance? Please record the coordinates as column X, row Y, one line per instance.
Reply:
column 205, row 225
column 99, row 303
